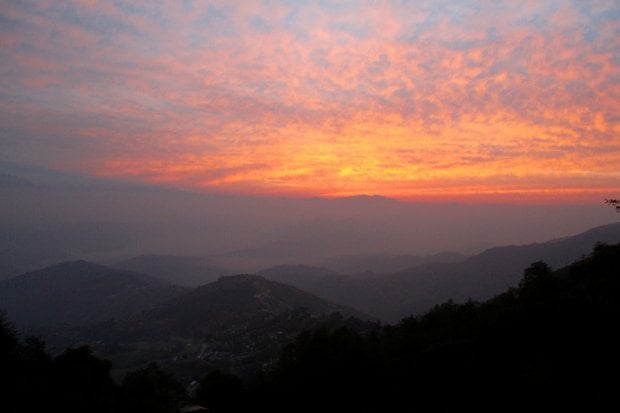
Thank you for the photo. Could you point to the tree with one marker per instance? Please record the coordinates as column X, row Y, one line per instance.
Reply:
column 152, row 390
column 83, row 381
column 221, row 392
column 615, row 203
column 9, row 365
column 537, row 281
column 533, row 274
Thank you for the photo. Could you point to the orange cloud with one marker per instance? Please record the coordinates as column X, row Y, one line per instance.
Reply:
column 490, row 103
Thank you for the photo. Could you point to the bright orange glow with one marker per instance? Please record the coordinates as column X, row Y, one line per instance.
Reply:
column 467, row 103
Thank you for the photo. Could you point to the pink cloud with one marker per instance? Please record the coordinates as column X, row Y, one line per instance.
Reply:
column 323, row 96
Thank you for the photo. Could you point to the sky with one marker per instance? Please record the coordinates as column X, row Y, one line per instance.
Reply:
column 469, row 101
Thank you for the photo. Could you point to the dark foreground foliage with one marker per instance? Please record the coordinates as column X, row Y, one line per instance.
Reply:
column 549, row 343
column 76, row 381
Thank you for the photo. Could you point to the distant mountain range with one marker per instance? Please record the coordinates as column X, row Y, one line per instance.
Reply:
column 79, row 292
column 49, row 216
column 239, row 322
column 417, row 289
column 236, row 322
column 84, row 293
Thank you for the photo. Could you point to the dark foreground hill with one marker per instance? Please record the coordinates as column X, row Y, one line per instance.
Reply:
column 238, row 299
column 412, row 291
column 79, row 292
column 549, row 344
column 237, row 321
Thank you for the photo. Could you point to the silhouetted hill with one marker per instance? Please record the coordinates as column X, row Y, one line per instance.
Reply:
column 238, row 322
column 549, row 343
column 79, row 292
column 391, row 297
column 180, row 270
column 239, row 299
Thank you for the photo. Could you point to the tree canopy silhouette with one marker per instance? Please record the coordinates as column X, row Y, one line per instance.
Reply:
column 549, row 342
column 615, row 203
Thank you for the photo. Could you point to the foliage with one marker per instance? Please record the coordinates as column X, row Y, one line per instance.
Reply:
column 152, row 390
column 549, row 342
column 75, row 381
column 615, row 203
column 222, row 393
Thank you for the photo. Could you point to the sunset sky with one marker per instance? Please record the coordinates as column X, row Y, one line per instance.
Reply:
column 474, row 101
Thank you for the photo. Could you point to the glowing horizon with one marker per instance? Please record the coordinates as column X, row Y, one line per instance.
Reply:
column 486, row 102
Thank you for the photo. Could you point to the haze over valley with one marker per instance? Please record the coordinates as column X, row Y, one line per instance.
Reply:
column 51, row 216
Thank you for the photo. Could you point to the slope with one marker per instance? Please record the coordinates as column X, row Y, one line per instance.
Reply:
column 238, row 323
column 239, row 299
column 391, row 297
column 550, row 344
column 79, row 292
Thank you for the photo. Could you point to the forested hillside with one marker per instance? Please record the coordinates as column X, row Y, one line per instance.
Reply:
column 551, row 342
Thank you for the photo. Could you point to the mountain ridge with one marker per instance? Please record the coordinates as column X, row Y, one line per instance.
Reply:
column 417, row 289
column 79, row 292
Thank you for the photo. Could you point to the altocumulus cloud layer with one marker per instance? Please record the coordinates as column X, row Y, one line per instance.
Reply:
column 514, row 100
